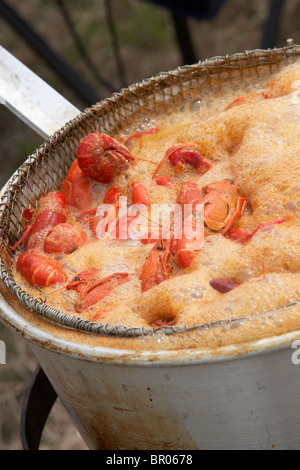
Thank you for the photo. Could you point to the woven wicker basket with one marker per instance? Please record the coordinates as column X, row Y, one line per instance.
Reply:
column 44, row 170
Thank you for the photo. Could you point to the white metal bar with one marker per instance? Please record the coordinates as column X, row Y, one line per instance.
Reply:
column 31, row 99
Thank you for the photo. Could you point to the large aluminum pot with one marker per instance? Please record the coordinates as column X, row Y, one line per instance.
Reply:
column 240, row 396
column 232, row 398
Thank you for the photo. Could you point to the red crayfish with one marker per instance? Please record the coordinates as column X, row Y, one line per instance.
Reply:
column 92, row 287
column 101, row 157
column 183, row 154
column 39, row 269
column 51, row 210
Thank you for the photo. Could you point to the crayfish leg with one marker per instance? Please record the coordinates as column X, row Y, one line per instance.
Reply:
column 239, row 212
column 24, row 236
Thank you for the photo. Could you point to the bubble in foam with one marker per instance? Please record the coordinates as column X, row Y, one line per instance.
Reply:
column 178, row 297
column 199, row 288
column 197, row 295
column 60, row 256
column 195, row 106
column 236, row 324
column 244, row 275
column 98, row 188
column 67, row 265
column 186, row 290
column 290, row 206
column 296, row 188
column 273, row 119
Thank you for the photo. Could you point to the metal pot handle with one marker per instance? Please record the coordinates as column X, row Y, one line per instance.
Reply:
column 31, row 99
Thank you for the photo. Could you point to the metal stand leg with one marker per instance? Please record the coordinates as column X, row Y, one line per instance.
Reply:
column 271, row 27
column 38, row 402
column 184, row 39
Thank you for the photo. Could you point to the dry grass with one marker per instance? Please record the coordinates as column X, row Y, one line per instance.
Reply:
column 148, row 47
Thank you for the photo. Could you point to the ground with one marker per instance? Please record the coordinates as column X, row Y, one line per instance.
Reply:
column 143, row 44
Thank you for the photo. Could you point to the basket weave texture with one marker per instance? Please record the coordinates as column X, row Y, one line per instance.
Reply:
column 44, row 170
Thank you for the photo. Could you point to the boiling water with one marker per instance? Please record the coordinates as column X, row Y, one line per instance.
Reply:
column 256, row 143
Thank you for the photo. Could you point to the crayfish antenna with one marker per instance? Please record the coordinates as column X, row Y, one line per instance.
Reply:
column 161, row 227
column 58, row 290
column 144, row 160
column 127, row 140
column 159, row 165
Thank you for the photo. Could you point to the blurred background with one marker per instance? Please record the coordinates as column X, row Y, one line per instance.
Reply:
column 86, row 50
